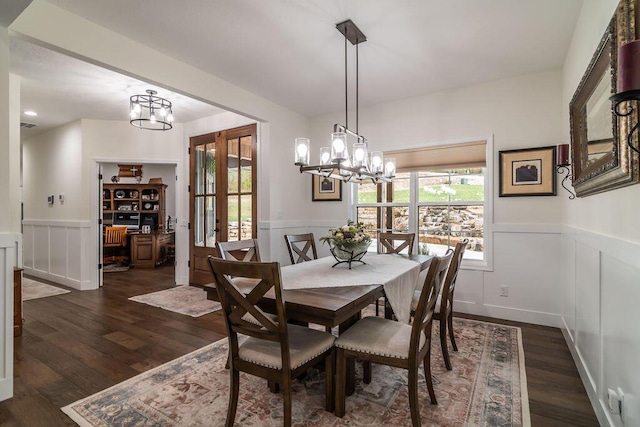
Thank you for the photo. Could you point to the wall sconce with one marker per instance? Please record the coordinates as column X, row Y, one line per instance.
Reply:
column 564, row 165
column 628, row 84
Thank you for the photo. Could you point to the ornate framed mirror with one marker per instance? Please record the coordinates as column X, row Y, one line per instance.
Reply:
column 601, row 158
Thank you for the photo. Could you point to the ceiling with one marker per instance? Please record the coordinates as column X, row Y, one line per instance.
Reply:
column 290, row 52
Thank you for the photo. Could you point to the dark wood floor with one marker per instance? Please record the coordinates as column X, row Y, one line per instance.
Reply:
column 77, row 344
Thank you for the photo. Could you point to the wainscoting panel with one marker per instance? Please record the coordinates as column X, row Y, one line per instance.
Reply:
column 587, row 337
column 10, row 245
column 57, row 251
column 606, row 343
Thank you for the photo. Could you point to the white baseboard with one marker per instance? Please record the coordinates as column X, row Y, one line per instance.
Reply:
column 508, row 313
column 65, row 281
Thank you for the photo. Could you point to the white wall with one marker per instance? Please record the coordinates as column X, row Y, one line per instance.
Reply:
column 510, row 111
column 56, row 236
column 601, row 247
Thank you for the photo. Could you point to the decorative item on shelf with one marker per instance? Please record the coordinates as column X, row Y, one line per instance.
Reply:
column 119, row 194
column 155, row 180
column 335, row 161
column 115, row 179
column 150, row 111
column 147, row 206
column 129, row 171
column 628, row 85
column 133, row 194
column 564, row 165
column 348, row 243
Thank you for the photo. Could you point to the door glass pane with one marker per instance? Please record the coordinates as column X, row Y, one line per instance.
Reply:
column 210, row 213
column 233, row 218
column 211, row 169
column 199, row 170
column 245, row 217
column 232, row 166
column 246, row 161
column 198, row 219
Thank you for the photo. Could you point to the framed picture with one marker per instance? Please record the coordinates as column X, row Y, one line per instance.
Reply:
column 528, row 172
column 326, row 189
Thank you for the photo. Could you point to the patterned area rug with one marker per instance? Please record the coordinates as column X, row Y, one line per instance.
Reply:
column 487, row 387
column 187, row 300
column 32, row 289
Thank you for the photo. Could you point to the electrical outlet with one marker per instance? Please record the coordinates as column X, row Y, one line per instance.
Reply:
column 613, row 401
column 621, row 404
column 504, row 291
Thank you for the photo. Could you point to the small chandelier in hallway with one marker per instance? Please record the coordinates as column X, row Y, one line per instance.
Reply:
column 150, row 112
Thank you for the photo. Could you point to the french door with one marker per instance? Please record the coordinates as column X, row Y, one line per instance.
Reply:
column 223, row 199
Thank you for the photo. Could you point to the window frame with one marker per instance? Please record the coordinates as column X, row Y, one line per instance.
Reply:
column 486, row 264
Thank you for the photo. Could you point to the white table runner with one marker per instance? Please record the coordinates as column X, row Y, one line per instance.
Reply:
column 398, row 276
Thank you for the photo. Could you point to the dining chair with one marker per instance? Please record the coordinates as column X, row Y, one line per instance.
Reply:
column 444, row 303
column 115, row 237
column 394, row 243
column 274, row 349
column 295, row 247
column 239, row 250
column 396, row 344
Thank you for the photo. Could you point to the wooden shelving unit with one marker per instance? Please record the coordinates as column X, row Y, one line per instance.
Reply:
column 146, row 199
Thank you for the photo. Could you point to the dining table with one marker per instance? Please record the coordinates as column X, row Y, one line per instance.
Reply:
column 320, row 293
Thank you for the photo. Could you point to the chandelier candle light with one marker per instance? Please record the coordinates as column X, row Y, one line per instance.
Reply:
column 335, row 161
column 150, row 111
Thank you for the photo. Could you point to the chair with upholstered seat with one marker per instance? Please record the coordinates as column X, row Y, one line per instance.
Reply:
column 274, row 349
column 301, row 245
column 392, row 343
column 444, row 304
column 239, row 250
column 394, row 243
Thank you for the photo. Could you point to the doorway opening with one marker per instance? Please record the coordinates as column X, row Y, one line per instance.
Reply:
column 137, row 220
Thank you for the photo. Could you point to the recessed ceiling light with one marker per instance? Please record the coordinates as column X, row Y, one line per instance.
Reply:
column 30, row 113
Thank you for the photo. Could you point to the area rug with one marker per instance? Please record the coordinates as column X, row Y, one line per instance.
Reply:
column 487, row 387
column 114, row 268
column 32, row 289
column 187, row 300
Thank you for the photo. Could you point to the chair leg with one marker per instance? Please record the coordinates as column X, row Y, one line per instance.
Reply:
column 413, row 396
column 366, row 371
column 286, row 397
column 451, row 336
column 428, row 379
column 443, row 343
column 341, row 382
column 377, row 307
column 233, row 397
column 329, row 368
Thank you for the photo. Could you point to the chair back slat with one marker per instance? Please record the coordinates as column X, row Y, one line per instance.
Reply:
column 387, row 242
column 235, row 303
column 115, row 236
column 295, row 247
column 428, row 296
column 239, row 250
column 452, row 274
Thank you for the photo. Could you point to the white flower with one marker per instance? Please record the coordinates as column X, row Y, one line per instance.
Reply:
column 345, row 228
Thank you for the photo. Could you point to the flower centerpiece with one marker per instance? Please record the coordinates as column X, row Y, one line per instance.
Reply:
column 348, row 243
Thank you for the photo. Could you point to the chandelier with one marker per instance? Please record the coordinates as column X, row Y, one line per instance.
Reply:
column 335, row 161
column 150, row 111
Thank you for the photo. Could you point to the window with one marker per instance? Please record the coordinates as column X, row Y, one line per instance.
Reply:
column 442, row 205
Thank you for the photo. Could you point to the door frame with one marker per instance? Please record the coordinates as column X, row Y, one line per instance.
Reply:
column 95, row 243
